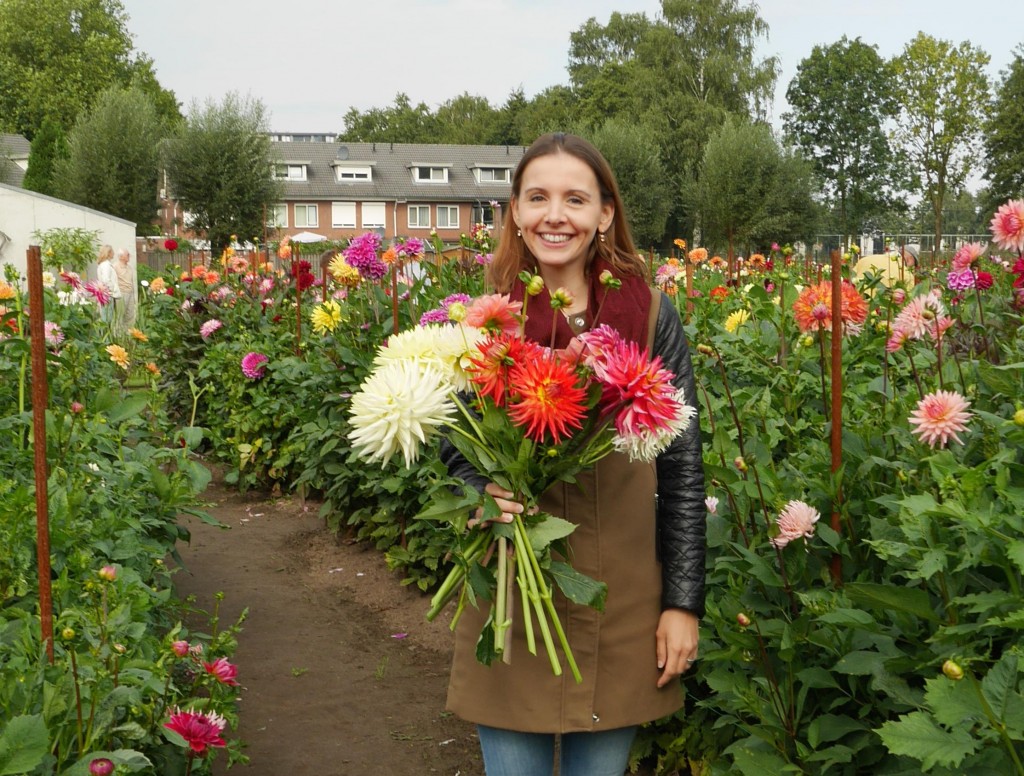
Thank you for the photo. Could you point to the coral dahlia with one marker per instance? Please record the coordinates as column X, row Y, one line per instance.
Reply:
column 939, row 416
column 1008, row 226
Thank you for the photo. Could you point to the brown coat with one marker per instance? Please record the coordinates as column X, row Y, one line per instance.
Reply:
column 615, row 542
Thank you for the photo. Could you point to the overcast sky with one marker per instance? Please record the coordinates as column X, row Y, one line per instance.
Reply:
column 309, row 62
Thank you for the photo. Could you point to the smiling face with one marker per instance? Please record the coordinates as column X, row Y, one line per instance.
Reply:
column 559, row 211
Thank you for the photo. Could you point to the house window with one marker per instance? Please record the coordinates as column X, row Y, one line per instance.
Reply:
column 483, row 214
column 354, row 174
column 290, row 172
column 419, row 216
column 305, row 216
column 493, row 175
column 373, row 215
column 447, row 217
column 277, row 216
column 343, row 215
column 430, row 174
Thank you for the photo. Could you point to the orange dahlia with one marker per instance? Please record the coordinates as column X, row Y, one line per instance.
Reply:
column 853, row 307
column 717, row 262
column 757, row 261
column 697, row 255
column 498, row 355
column 719, row 293
column 494, row 313
column 547, row 398
column 813, row 308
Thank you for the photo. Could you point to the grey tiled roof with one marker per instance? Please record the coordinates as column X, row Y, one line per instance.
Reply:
column 12, row 147
column 392, row 173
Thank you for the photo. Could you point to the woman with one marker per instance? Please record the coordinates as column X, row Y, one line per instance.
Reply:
column 126, row 287
column 107, row 275
column 640, row 528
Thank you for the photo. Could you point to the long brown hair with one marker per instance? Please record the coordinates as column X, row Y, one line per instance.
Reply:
column 512, row 255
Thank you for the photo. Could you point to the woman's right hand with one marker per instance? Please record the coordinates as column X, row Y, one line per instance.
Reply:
column 503, row 498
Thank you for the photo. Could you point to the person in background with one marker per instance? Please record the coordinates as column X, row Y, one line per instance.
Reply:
column 640, row 527
column 107, row 275
column 126, row 286
column 911, row 253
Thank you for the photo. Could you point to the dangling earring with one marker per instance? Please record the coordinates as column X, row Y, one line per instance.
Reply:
column 519, row 232
column 602, row 236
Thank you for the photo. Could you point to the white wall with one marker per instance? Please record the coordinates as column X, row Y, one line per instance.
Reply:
column 24, row 212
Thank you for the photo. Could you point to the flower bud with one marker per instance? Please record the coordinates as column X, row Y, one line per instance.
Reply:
column 1018, row 417
column 120, row 648
column 705, row 350
column 562, row 298
column 179, row 648
column 742, row 620
column 808, row 341
column 739, row 463
column 456, row 312
column 67, row 634
column 77, row 407
column 535, row 286
column 109, row 573
column 101, row 766
column 608, row 280
column 952, row 671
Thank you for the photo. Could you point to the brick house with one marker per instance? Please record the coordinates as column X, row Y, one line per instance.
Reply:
column 339, row 189
column 14, row 151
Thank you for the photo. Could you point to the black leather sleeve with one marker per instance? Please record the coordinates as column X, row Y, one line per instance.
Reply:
column 680, row 468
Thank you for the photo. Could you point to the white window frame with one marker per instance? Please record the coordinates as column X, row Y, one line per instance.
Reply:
column 290, row 172
column 450, row 210
column 344, row 174
column 277, row 216
column 419, row 209
column 492, row 172
column 306, row 206
column 441, row 177
column 343, row 215
column 372, row 206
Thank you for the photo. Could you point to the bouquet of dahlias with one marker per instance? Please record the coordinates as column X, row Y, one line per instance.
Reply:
column 524, row 416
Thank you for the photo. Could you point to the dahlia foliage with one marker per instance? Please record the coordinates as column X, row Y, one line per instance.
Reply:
column 524, row 416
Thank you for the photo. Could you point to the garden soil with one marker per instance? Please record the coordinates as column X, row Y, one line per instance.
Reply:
column 341, row 674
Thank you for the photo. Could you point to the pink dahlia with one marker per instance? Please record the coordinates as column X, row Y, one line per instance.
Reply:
column 639, row 390
column 967, row 255
column 361, row 253
column 918, row 317
column 223, row 671
column 180, row 647
column 199, row 730
column 72, row 279
column 253, row 365
column 795, row 521
column 101, row 766
column 939, row 416
column 208, row 328
column 495, row 313
column 983, row 279
column 1008, row 226
column 960, row 279
column 53, row 334
column 98, row 291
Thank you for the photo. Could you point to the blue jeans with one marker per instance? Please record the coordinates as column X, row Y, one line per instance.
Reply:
column 511, row 753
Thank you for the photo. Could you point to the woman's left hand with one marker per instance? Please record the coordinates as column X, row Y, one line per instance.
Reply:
column 677, row 637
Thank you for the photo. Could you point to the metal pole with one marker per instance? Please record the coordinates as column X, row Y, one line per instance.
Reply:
column 40, row 393
column 837, row 404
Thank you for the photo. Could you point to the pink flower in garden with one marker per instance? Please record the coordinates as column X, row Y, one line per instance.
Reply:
column 199, row 730
column 899, row 296
column 266, row 286
column 967, row 255
column 222, row 671
column 109, row 573
column 362, row 254
column 53, row 334
column 642, row 387
column 180, row 648
column 711, row 502
column 939, row 416
column 919, row 316
column 960, row 280
column 72, row 279
column 101, row 766
column 98, row 291
column 77, row 407
column 795, row 521
column 253, row 365
column 208, row 328
column 494, row 313
column 983, row 280
column 1008, row 226
column 896, row 340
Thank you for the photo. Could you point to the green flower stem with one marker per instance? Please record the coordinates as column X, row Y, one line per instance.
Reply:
column 457, row 576
column 531, row 641
column 501, row 618
column 534, row 588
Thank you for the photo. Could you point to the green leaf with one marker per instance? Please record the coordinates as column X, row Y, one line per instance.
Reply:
column 128, row 408
column 751, row 760
column 23, row 745
column 550, row 529
column 831, row 727
column 578, row 587
column 999, row 688
column 854, row 618
column 134, row 762
column 912, row 600
column 1015, row 552
column 860, row 663
column 953, row 703
column 915, row 735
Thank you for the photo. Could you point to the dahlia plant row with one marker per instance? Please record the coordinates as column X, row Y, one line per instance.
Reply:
column 107, row 693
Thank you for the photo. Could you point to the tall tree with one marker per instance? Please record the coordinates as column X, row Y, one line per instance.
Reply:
column 749, row 192
column 552, row 110
column 466, row 120
column 632, row 151
column 942, row 89
column 682, row 74
column 1004, row 137
column 48, row 147
column 56, row 56
column 841, row 98
column 221, row 169
column 114, row 157
column 399, row 123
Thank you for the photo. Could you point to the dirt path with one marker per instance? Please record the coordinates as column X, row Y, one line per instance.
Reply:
column 341, row 673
